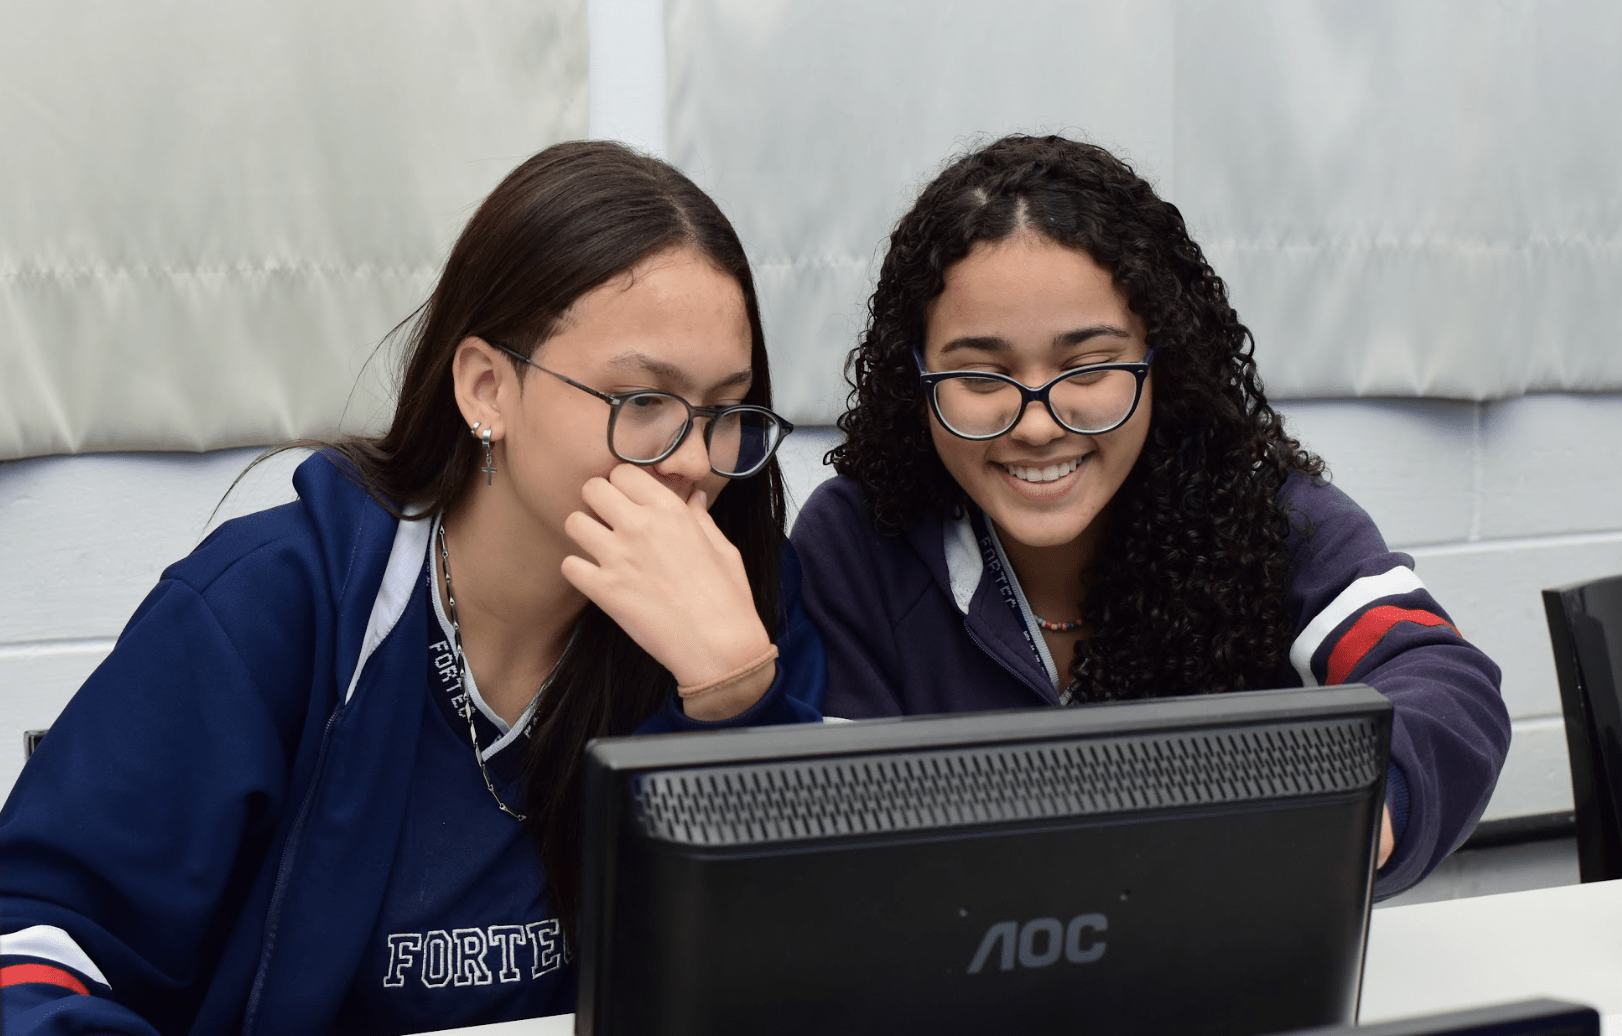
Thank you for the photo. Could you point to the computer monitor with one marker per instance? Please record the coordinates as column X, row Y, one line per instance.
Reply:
column 1182, row 865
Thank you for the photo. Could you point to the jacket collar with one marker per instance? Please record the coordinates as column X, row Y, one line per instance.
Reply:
column 965, row 563
column 399, row 583
column 370, row 559
column 952, row 553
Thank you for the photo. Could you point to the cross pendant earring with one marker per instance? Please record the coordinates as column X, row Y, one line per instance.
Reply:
column 489, row 468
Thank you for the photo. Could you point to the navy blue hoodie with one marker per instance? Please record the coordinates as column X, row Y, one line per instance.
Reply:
column 932, row 620
column 203, row 841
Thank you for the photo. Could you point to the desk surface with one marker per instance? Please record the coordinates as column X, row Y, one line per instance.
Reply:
column 1561, row 942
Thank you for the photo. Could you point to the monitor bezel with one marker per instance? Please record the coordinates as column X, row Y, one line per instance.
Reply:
column 958, row 729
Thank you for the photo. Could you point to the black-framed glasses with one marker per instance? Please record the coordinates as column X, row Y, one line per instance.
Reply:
column 1090, row 400
column 646, row 426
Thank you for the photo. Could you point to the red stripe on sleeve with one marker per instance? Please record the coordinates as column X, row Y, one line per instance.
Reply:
column 1367, row 631
column 19, row 974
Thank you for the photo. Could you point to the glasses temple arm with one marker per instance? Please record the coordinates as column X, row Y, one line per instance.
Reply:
column 605, row 397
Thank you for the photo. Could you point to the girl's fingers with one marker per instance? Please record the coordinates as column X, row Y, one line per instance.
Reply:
column 699, row 505
column 638, row 485
column 608, row 502
column 583, row 576
column 666, row 574
column 590, row 535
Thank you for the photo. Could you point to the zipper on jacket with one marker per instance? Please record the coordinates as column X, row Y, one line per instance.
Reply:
column 1016, row 674
column 284, row 869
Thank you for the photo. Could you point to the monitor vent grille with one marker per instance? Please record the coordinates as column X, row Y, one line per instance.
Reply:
column 881, row 793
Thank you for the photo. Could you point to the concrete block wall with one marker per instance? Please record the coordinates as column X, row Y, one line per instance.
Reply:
column 1495, row 501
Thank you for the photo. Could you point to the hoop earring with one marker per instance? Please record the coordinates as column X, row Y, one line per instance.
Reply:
column 489, row 468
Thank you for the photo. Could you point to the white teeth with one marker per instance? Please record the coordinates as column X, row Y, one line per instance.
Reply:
column 1047, row 474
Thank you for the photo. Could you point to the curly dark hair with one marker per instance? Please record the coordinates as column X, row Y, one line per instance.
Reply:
column 1196, row 536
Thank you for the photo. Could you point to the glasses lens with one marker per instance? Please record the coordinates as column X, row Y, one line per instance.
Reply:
column 647, row 425
column 742, row 441
column 977, row 406
column 1094, row 401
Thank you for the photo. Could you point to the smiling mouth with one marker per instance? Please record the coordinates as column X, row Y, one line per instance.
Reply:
column 1049, row 473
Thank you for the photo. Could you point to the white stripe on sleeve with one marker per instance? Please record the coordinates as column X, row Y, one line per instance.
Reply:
column 51, row 944
column 1358, row 595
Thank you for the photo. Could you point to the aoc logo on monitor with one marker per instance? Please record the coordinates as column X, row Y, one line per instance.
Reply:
column 1040, row 942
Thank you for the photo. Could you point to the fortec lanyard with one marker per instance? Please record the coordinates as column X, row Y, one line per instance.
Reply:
column 445, row 682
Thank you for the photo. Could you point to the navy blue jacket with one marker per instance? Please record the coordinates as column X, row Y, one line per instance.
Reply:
column 920, row 623
column 202, row 842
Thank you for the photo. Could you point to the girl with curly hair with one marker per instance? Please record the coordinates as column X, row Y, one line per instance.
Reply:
column 1062, row 483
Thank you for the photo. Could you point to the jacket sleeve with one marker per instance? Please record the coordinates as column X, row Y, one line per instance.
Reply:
column 131, row 837
column 1366, row 617
column 796, row 693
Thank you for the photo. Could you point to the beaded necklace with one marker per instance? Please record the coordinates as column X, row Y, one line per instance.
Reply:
column 1056, row 627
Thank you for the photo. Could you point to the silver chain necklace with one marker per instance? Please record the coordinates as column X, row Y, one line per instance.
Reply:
column 467, row 686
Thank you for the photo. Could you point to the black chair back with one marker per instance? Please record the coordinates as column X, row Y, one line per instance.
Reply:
column 1585, row 628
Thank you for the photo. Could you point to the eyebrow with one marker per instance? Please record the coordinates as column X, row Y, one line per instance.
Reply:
column 1073, row 337
column 669, row 372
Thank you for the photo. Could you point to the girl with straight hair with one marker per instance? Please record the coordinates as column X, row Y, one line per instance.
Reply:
column 328, row 778
column 1062, row 483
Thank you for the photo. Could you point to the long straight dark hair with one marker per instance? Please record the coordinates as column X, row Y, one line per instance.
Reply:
column 566, row 221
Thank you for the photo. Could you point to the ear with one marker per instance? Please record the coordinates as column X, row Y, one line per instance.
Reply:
column 484, row 381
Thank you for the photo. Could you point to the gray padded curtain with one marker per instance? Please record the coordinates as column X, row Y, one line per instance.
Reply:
column 214, row 212
column 1406, row 199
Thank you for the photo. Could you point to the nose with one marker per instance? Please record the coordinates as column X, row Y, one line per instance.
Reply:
column 691, row 461
column 1036, row 426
